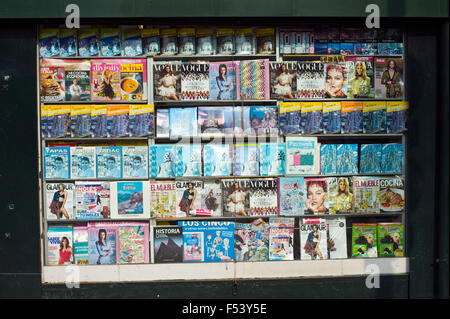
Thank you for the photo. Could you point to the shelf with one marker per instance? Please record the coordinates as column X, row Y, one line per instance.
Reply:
column 359, row 135
column 77, row 221
column 94, row 102
column 195, row 271
column 96, row 139
column 224, row 57
column 205, row 103
column 77, row 57
column 341, row 100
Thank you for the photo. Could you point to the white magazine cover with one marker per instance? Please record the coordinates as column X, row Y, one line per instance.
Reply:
column 83, row 162
column 52, row 199
column 313, row 239
column 302, row 156
column 337, row 238
column 92, row 199
column 135, row 161
column 130, row 200
column 188, row 198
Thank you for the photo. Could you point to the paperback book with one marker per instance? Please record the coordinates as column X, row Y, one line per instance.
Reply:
column 225, row 41
column 99, row 120
column 310, row 80
column 366, row 191
column 56, row 204
column 88, row 42
column 48, row 43
column 374, row 117
column 92, row 200
column 117, row 120
column 169, row 41
column 260, row 121
column 59, row 120
column 244, row 41
column 292, row 196
column 396, row 116
column 281, row 238
column 80, row 116
column 364, row 240
column 151, row 44
column 162, row 123
column 82, row 162
column 215, row 121
column 265, row 40
column 135, row 161
column 302, row 155
column 110, row 44
column 128, row 200
column 183, row 122
column 251, row 241
column 132, row 42
column 313, row 239
column 286, row 41
column 392, row 158
column 351, row 117
column 57, row 235
column 168, row 241
column 328, row 159
column 347, row 159
column 246, row 160
column 141, row 120
column 186, row 41
column 57, row 162
column 311, row 118
column 162, row 199
column 205, row 41
column 109, row 161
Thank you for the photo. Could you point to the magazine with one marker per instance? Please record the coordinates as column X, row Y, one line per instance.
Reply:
column 53, row 198
column 317, row 199
column 254, row 80
column 150, row 41
column 211, row 199
column 48, row 43
column 56, row 162
column 109, row 161
column 186, row 41
column 103, row 242
column 169, row 41
column 244, row 41
column 292, row 196
column 337, row 238
column 370, row 160
column 77, row 82
column 364, row 240
column 105, row 80
column 246, row 160
column 260, row 121
column 313, row 239
column 82, row 162
column 80, row 117
column 225, row 41
column 304, row 41
column 215, row 121
column 92, row 200
column 135, row 161
column 251, row 241
column 281, row 238
column 272, row 159
column 336, row 80
column 360, row 77
column 188, row 197
column 374, row 117
column 188, row 160
column 162, row 199
column 55, row 236
column 311, row 118
column 310, row 80
column 194, row 81
column 205, row 41
column 340, row 194
column 366, row 191
column 110, row 44
column 167, row 80
column 141, row 120
column 168, row 241
column 81, row 245
column 392, row 158
column 390, row 240
column 133, row 79
column 217, row 159
column 161, row 159
column 265, row 40
column 392, row 194
column 389, row 77
column 88, row 42
column 133, row 243
column 302, row 155
column 132, row 42
column 223, row 81
column 286, row 41
column 128, row 200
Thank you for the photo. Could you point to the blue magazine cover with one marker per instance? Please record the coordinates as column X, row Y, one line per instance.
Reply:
column 132, row 42
column 109, row 161
column 328, row 159
column 183, row 121
column 374, row 117
column 370, row 160
column 331, row 117
column 48, row 43
column 290, row 117
column 81, row 121
column 102, row 245
column 396, row 116
column 67, row 42
column 162, row 160
column 99, row 125
column 246, row 160
column 215, row 121
column 188, row 160
column 130, row 198
column 222, row 80
column 82, row 162
column 117, row 120
column 141, row 120
column 110, row 42
column 272, row 159
column 217, row 160
column 347, row 159
column 392, row 158
column 215, row 238
column 88, row 42
column 292, row 196
column 311, row 117
column 56, row 162
column 135, row 161
column 351, row 117
column 260, row 121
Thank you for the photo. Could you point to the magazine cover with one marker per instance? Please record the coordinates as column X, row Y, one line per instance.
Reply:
column 311, row 118
column 167, row 80
column 48, row 43
column 109, row 161
column 244, row 41
column 272, row 159
column 168, row 242
column 92, row 200
column 340, row 194
column 208, row 241
column 313, row 239
column 59, row 205
column 281, row 238
column 162, row 123
column 310, row 80
column 392, row 158
column 133, row 243
column 265, row 40
column 82, row 162
column 286, row 41
column 302, row 155
column 364, row 240
column 117, row 119
column 150, row 41
column 304, row 41
column 188, row 160
column 396, row 116
column 133, row 79
column 370, row 160
column 389, row 77
column 222, row 80
column 390, row 240
column 183, row 121
column 77, row 83
column 251, row 241
column 99, row 126
column 260, row 120
column 328, row 159
column 317, row 199
column 217, row 159
column 44, row 117
column 351, row 117
column 80, row 116
column 290, row 115
column 360, row 77
column 246, row 160
column 392, row 194
column 186, row 41
column 141, row 120
column 331, row 121
column 337, row 238
column 135, row 161
column 59, row 120
column 366, row 191
column 51, row 82
column 225, row 41
column 390, row 48
column 103, row 242
column 374, row 117
column 162, row 199
column 215, row 121
column 205, row 41
column 110, row 42
column 292, row 196
column 194, row 81
column 235, row 196
column 105, row 80
column 169, row 41
column 211, row 199
column 81, row 245
column 347, row 159
column 128, row 200
column 188, row 197
column 60, row 245
column 88, row 42
column 366, row 48
column 336, row 80
column 132, row 42
column 161, row 160
column 254, row 80
column 56, row 162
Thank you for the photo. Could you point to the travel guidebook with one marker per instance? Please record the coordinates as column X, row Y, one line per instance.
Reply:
column 328, row 159
column 110, row 44
column 99, row 125
column 48, row 43
column 215, row 121
column 246, row 160
column 162, row 123
column 208, row 241
column 251, row 241
column 281, row 238
column 311, row 118
column 351, row 117
column 396, row 116
column 223, row 80
column 272, row 159
column 55, row 202
column 331, row 113
column 392, row 158
column 128, row 200
column 162, row 199
column 244, row 41
column 67, row 42
column 374, row 117
column 265, row 41
column 92, row 200
column 167, row 80
column 194, row 81
column 302, row 155
column 347, row 159
column 290, row 117
column 161, row 160
column 283, row 80
column 80, row 116
column 59, row 120
column 183, row 122
column 205, row 41
column 151, row 44
column 168, row 241
column 188, row 160
column 57, row 235
column 313, row 239
column 260, row 121
column 370, row 158
column 217, row 160
column 225, row 41
column 88, row 42
column 140, row 120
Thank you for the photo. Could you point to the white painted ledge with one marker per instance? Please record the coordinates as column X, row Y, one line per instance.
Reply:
column 223, row 271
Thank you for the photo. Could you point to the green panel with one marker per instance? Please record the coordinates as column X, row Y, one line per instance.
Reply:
column 11, row 9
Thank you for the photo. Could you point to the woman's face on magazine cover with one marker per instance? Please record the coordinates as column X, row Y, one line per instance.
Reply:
column 317, row 196
column 335, row 81
column 223, row 71
column 359, row 69
column 342, row 185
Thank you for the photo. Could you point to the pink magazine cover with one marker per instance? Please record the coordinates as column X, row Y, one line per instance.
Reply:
column 105, row 80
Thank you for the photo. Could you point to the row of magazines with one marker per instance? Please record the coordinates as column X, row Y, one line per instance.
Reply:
column 253, row 197
column 298, row 156
column 106, row 243
column 312, row 77
column 85, row 120
column 133, row 41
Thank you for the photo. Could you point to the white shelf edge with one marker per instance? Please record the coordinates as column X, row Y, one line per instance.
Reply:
column 224, row 271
